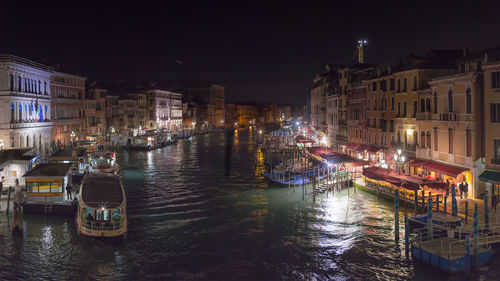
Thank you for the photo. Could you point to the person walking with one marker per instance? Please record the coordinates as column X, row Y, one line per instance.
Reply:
column 68, row 192
column 466, row 189
column 461, row 187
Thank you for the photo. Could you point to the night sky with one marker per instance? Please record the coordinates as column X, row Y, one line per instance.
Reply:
column 267, row 51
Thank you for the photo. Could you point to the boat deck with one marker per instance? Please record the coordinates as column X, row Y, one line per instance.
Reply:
column 445, row 246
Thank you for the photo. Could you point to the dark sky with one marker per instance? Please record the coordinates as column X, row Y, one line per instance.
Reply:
column 267, row 50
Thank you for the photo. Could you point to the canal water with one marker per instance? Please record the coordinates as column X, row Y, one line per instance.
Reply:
column 200, row 210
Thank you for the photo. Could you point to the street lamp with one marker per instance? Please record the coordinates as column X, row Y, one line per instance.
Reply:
column 399, row 160
column 72, row 137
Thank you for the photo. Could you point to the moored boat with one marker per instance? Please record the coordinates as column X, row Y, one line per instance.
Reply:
column 101, row 207
column 102, row 162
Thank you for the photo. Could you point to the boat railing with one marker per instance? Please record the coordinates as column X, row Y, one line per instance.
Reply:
column 106, row 225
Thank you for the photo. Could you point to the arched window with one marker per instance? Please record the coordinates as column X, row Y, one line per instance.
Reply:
column 436, row 139
column 19, row 84
column 428, row 105
column 45, row 87
column 422, row 139
column 12, row 82
column 415, row 137
column 39, row 87
column 25, row 85
column 392, row 103
column 435, row 103
column 468, row 101
column 450, row 101
column 422, row 105
column 428, row 139
column 12, row 112
column 20, row 112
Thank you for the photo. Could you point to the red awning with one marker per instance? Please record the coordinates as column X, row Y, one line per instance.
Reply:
column 359, row 163
column 374, row 149
column 305, row 140
column 352, row 146
column 448, row 170
column 361, row 148
column 418, row 162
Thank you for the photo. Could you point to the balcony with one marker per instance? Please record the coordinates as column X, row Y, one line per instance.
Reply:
column 424, row 116
column 448, row 116
column 26, row 125
column 343, row 122
column 424, row 152
column 467, row 117
column 451, row 158
column 410, row 147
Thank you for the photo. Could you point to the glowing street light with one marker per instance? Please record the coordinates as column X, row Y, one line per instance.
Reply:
column 399, row 159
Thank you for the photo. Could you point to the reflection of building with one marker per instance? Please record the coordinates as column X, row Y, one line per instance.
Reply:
column 25, row 118
column 68, row 100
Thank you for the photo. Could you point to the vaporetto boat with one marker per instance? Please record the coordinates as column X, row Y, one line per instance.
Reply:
column 102, row 206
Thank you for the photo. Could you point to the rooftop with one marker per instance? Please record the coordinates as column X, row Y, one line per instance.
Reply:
column 49, row 170
column 19, row 154
column 102, row 190
column 68, row 153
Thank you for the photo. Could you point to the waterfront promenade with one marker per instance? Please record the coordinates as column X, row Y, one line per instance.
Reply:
column 494, row 215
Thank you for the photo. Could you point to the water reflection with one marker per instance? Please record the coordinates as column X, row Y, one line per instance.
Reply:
column 200, row 210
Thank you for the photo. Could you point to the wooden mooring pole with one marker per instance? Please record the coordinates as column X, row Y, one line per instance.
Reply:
column 8, row 199
column 17, row 218
column 396, row 215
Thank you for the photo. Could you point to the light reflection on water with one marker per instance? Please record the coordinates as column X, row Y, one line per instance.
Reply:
column 200, row 210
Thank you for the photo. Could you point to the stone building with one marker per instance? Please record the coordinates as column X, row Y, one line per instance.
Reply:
column 68, row 100
column 25, row 107
column 95, row 112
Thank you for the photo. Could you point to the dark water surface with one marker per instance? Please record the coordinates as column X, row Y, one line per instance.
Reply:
column 201, row 210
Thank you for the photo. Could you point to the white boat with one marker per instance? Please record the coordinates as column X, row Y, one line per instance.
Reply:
column 102, row 207
column 102, row 162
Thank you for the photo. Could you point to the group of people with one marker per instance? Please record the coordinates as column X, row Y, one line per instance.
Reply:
column 463, row 187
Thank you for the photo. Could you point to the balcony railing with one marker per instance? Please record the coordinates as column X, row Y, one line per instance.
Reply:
column 424, row 116
column 448, row 116
column 424, row 152
column 467, row 117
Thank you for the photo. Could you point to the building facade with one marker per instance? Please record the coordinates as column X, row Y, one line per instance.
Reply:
column 67, row 100
column 25, row 118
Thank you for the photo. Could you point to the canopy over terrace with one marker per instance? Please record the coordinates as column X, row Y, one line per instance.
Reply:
column 334, row 157
column 301, row 139
column 406, row 181
column 451, row 171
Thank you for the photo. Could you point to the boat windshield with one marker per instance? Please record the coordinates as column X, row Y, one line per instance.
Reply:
column 102, row 219
column 100, row 162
